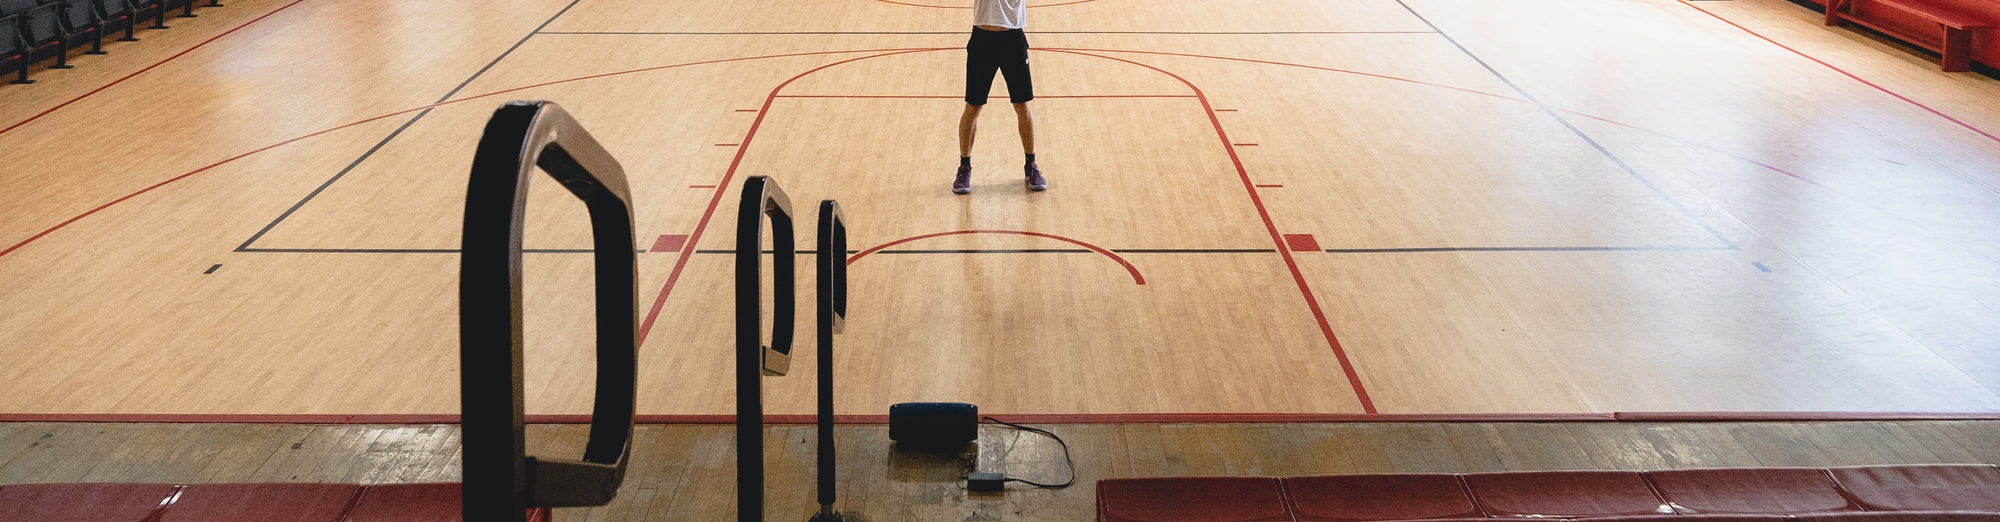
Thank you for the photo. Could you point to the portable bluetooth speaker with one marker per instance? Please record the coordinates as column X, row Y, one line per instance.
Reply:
column 933, row 426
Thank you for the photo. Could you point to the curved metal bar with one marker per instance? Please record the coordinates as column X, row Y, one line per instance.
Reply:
column 831, row 295
column 761, row 198
column 501, row 481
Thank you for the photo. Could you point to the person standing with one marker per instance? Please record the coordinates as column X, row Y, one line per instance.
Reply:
column 997, row 44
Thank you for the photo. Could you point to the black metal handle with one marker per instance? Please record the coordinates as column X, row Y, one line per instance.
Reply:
column 761, row 198
column 501, row 481
column 832, row 297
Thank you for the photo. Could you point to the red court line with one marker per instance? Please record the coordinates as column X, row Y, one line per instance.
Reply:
column 1245, row 144
column 148, row 68
column 1136, row 278
column 687, row 252
column 59, row 226
column 1766, row 166
column 1464, row 90
column 668, row 243
column 1857, row 78
column 1270, row 186
column 1302, row 242
column 681, row 263
column 702, row 186
column 1298, row 276
column 1039, row 418
column 1086, row 50
column 464, row 99
column 725, row 144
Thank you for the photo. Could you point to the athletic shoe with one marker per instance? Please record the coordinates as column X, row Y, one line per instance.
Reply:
column 962, row 183
column 1035, row 181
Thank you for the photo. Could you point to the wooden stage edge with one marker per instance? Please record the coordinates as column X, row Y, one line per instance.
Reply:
column 1040, row 418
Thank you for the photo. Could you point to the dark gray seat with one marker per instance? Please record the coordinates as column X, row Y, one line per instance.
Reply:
column 30, row 32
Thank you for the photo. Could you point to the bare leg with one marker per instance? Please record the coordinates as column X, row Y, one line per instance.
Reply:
column 1026, row 122
column 966, row 129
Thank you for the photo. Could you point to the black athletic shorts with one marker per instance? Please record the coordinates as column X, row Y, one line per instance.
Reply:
column 1002, row 51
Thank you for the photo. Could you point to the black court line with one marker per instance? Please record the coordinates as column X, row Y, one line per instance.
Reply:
column 1044, row 251
column 821, row 33
column 245, row 247
column 1531, row 249
column 1572, row 128
column 993, row 251
column 958, row 251
column 212, row 269
column 409, row 251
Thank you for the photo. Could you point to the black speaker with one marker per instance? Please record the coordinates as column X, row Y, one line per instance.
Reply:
column 933, row 426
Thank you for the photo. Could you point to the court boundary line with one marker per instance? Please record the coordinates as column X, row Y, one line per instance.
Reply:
column 1250, row 188
column 1844, row 72
column 245, row 247
column 1312, row 302
column 659, row 302
column 1034, row 418
column 87, row 213
column 722, row 187
column 149, row 67
column 1620, row 162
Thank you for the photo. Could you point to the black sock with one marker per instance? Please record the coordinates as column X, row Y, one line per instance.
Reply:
column 1031, row 160
column 965, row 161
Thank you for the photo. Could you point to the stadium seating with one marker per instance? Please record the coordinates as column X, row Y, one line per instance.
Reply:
column 33, row 35
column 36, row 30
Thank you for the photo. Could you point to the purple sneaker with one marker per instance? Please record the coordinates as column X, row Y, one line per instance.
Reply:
column 1035, row 181
column 962, row 183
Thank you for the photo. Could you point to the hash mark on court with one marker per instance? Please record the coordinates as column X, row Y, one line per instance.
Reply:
column 669, row 243
column 1761, row 267
column 212, row 270
column 1271, row 186
column 1301, row 242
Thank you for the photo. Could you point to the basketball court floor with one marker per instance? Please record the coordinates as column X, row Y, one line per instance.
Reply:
column 1343, row 207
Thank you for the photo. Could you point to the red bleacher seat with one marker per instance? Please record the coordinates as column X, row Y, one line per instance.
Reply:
column 1170, row 499
column 1942, row 487
column 1908, row 516
column 300, row 502
column 82, row 502
column 1378, row 497
column 1565, row 494
column 437, row 502
column 1691, row 517
column 1754, row 490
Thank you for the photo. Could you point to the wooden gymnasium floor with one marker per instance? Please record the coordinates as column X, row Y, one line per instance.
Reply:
column 1340, row 207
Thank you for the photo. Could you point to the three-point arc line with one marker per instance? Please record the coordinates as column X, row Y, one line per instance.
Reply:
column 1136, row 278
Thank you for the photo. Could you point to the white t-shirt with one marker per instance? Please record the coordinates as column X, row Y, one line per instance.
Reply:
column 1011, row 14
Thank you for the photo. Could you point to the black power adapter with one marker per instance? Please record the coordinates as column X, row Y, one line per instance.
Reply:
column 986, row 482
